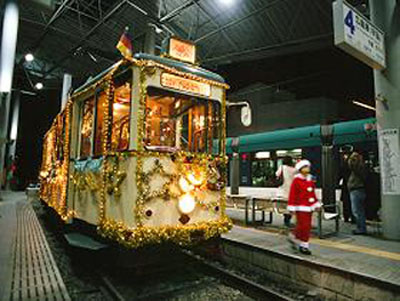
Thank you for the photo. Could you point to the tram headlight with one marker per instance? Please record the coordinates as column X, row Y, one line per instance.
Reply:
column 195, row 181
column 186, row 203
column 185, row 185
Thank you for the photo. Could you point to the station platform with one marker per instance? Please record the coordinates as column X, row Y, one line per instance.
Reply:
column 28, row 270
column 342, row 267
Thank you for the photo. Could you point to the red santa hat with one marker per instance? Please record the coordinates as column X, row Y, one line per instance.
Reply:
column 302, row 163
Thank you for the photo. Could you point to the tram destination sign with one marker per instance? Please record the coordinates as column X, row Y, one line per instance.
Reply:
column 184, row 84
column 358, row 36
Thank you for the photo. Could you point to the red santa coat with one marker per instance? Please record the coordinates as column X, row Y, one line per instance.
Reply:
column 302, row 195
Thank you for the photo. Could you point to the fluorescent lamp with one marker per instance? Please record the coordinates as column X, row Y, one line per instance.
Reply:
column 360, row 104
column 281, row 152
column 263, row 155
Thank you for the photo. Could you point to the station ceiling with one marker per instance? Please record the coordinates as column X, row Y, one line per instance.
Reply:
column 79, row 36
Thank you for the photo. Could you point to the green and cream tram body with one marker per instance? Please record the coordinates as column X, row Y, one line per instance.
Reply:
column 139, row 152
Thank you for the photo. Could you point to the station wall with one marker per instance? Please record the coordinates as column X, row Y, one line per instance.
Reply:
column 273, row 109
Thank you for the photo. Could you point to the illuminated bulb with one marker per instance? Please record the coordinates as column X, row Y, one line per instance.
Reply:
column 184, row 185
column 39, row 86
column 118, row 106
column 193, row 179
column 186, row 204
column 226, row 2
column 202, row 121
column 29, row 57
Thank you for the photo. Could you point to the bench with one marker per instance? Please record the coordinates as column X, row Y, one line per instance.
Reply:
column 239, row 201
column 263, row 205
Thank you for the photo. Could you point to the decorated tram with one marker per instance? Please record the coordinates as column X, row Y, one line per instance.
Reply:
column 139, row 152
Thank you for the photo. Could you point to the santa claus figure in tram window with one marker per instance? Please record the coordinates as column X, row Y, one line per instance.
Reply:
column 302, row 202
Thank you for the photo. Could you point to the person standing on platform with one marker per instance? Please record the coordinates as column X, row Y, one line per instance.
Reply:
column 286, row 173
column 356, row 185
column 302, row 202
column 344, row 178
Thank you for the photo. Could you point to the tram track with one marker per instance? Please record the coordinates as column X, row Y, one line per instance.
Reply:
column 187, row 276
column 210, row 277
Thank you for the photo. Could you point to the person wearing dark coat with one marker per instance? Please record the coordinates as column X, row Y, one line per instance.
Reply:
column 356, row 184
column 345, row 194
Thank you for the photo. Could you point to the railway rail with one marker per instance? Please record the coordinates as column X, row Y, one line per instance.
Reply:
column 195, row 277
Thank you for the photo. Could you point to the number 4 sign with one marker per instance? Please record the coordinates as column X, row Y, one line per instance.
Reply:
column 349, row 21
column 358, row 36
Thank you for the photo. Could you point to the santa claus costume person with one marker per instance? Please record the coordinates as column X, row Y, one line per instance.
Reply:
column 302, row 202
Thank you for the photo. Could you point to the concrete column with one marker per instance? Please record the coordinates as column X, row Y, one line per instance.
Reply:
column 4, row 115
column 14, row 123
column 327, row 168
column 386, row 15
column 235, row 173
column 67, row 83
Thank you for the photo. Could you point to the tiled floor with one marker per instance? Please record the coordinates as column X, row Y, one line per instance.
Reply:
column 30, row 271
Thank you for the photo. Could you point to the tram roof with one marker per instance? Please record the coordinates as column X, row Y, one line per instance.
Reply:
column 180, row 66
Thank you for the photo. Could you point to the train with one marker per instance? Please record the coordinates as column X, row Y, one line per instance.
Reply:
column 262, row 153
column 139, row 152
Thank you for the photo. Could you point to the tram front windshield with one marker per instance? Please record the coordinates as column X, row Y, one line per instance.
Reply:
column 177, row 122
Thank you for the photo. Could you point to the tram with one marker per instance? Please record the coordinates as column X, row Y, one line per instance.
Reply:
column 139, row 152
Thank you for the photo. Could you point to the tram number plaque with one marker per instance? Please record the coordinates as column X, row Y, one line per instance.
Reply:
column 184, row 84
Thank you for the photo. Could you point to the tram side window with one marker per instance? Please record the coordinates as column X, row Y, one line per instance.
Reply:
column 87, row 128
column 179, row 122
column 101, row 100
column 121, row 110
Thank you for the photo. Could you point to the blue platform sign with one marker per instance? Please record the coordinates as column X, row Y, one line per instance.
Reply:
column 358, row 36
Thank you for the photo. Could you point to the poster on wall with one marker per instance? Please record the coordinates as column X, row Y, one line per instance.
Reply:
column 389, row 152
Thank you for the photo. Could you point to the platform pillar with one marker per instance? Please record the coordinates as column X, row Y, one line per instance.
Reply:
column 235, row 173
column 386, row 15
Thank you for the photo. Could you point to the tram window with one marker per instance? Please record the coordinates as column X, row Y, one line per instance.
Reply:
column 121, row 109
column 60, row 137
column 179, row 122
column 100, row 110
column 87, row 128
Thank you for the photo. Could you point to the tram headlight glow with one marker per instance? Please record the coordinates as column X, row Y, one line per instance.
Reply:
column 186, row 203
column 185, row 185
column 195, row 181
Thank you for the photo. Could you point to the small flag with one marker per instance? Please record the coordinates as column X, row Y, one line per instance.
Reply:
column 125, row 44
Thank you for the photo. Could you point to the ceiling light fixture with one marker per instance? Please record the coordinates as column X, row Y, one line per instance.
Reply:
column 227, row 2
column 29, row 57
column 39, row 86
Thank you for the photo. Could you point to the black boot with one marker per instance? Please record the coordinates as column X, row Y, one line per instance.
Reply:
column 305, row 251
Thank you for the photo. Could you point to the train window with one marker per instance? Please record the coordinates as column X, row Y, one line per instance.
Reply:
column 87, row 127
column 121, row 109
column 179, row 122
column 101, row 99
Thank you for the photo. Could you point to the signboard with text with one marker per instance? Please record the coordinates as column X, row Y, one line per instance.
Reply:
column 389, row 154
column 358, row 36
column 184, row 84
column 182, row 50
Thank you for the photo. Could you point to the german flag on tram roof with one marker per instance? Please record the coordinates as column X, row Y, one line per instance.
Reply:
column 125, row 44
